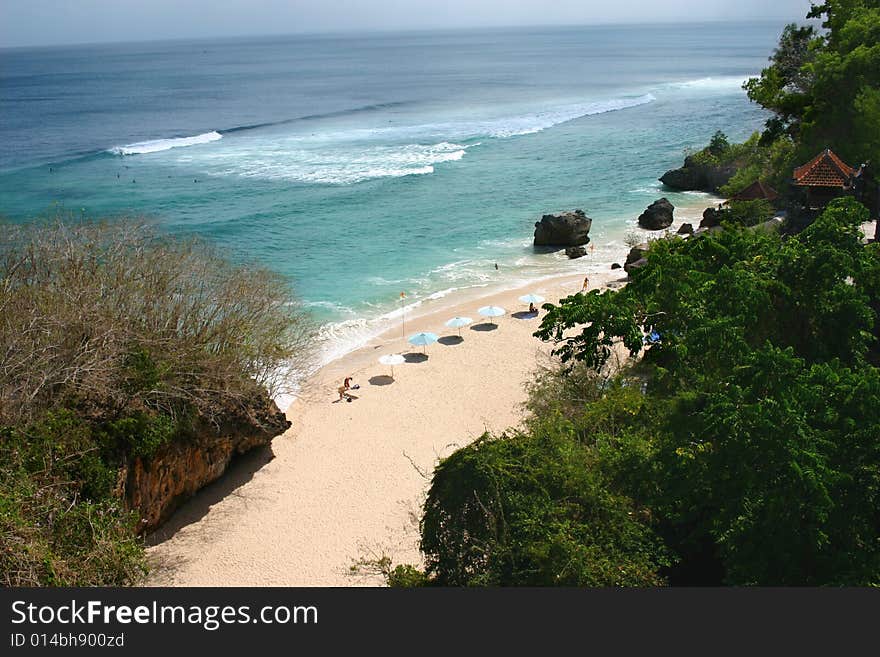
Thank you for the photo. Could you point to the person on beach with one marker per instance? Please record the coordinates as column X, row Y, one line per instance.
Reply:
column 532, row 309
column 586, row 286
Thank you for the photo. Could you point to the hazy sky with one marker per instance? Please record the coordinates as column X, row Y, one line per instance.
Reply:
column 46, row 22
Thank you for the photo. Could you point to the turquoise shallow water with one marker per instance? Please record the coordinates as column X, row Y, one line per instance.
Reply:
column 360, row 167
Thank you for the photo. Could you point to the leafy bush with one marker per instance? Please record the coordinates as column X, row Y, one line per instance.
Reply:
column 755, row 445
column 531, row 510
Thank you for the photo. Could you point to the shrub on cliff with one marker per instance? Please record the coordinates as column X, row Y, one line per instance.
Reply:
column 112, row 318
column 532, row 510
column 115, row 341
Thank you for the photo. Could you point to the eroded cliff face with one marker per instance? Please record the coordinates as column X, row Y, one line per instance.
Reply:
column 157, row 485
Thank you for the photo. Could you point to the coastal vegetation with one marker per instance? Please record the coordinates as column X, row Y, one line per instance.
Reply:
column 822, row 88
column 739, row 441
column 118, row 344
column 738, row 448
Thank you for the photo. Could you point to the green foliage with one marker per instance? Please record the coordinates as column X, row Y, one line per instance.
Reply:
column 718, row 145
column 116, row 343
column 759, row 159
column 750, row 434
column 530, row 510
column 785, row 86
column 822, row 88
column 749, row 213
column 60, row 520
column 141, row 433
column 406, row 576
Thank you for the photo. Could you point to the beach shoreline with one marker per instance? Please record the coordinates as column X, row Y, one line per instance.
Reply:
column 347, row 480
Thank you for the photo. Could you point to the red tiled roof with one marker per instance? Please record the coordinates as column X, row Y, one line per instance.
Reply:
column 824, row 170
column 757, row 190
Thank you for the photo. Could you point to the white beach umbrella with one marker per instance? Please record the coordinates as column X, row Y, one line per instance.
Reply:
column 458, row 322
column 491, row 311
column 531, row 298
column 392, row 360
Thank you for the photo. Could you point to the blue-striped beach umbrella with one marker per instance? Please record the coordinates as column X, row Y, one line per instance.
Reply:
column 423, row 339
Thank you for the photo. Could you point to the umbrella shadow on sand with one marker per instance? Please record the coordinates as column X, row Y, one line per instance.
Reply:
column 486, row 326
column 381, row 380
column 450, row 340
column 415, row 358
column 524, row 314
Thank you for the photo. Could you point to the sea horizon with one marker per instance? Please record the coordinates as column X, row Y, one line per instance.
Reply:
column 363, row 167
column 400, row 31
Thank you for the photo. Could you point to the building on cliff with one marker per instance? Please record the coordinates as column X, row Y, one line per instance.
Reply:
column 822, row 179
column 756, row 191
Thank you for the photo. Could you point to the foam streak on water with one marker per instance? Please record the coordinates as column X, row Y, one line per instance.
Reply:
column 159, row 145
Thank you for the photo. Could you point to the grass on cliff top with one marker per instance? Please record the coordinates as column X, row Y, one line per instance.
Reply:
column 115, row 342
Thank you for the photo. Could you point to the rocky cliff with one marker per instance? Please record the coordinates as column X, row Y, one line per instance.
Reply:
column 157, row 485
column 697, row 176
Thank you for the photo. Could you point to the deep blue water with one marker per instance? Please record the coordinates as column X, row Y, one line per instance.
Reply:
column 360, row 167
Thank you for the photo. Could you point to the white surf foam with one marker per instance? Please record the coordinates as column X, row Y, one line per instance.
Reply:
column 720, row 83
column 289, row 159
column 355, row 154
column 158, row 145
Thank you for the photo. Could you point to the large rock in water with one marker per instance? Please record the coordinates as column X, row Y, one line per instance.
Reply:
column 574, row 252
column 563, row 229
column 657, row 216
column 157, row 485
column 694, row 176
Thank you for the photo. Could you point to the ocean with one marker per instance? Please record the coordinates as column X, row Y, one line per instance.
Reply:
column 363, row 166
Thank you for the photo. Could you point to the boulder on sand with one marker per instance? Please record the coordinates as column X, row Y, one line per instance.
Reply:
column 636, row 257
column 563, row 229
column 686, row 229
column 712, row 217
column 657, row 216
column 575, row 252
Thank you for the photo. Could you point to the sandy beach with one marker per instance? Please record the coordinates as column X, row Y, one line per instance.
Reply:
column 347, row 480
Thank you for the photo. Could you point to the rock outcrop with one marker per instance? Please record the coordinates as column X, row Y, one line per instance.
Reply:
column 615, row 265
column 711, row 217
column 157, row 485
column 575, row 252
column 695, row 176
column 636, row 257
column 686, row 229
column 563, row 230
column 657, row 216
